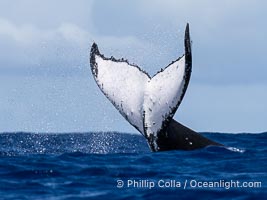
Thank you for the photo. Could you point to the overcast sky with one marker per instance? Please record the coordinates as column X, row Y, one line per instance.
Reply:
column 46, row 83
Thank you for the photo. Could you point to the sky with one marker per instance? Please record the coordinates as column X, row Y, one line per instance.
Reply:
column 46, row 84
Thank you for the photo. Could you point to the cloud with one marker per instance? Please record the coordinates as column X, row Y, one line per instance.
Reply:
column 64, row 49
column 229, row 42
column 28, row 47
column 47, row 14
column 228, row 38
column 27, row 34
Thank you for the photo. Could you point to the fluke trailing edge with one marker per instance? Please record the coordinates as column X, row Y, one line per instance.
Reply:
column 149, row 103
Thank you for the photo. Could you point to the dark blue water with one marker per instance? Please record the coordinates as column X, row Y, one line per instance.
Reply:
column 121, row 166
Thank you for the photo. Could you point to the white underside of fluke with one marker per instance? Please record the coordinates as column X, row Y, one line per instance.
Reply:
column 124, row 86
column 144, row 102
column 162, row 94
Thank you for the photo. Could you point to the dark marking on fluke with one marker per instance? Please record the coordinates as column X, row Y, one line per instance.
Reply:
column 95, row 52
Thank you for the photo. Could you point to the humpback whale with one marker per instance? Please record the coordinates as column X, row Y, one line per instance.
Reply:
column 149, row 102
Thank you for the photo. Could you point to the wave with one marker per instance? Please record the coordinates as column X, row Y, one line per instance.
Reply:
column 117, row 132
column 21, row 143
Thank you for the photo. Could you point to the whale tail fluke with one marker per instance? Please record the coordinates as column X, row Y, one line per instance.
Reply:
column 149, row 103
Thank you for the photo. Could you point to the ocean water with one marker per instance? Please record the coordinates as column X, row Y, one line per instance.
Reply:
column 121, row 166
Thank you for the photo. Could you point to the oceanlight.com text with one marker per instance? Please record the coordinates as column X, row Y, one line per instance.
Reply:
column 187, row 184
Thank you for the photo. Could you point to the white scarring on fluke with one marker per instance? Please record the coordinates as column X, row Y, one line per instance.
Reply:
column 147, row 103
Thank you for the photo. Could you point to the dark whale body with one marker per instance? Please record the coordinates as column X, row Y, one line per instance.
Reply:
column 179, row 137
